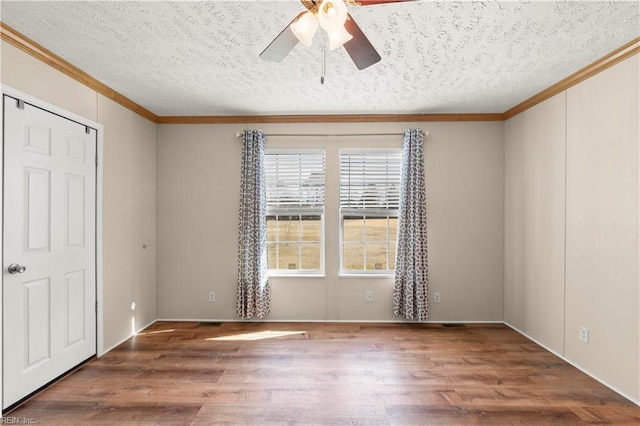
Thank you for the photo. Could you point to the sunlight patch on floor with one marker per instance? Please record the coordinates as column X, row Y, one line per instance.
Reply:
column 259, row 335
column 156, row 332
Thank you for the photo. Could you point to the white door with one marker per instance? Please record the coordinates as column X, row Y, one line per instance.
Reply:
column 49, row 264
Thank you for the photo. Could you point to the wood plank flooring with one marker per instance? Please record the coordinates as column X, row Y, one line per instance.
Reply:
column 186, row 373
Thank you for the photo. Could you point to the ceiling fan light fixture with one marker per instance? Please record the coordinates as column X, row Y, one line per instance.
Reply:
column 305, row 27
column 332, row 14
column 338, row 38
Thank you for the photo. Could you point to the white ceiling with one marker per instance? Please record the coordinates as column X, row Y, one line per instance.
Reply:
column 201, row 58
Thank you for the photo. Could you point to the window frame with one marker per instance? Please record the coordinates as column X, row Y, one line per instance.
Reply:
column 300, row 211
column 366, row 214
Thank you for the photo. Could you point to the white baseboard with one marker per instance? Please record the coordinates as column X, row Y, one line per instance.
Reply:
column 127, row 338
column 561, row 356
column 257, row 320
column 537, row 342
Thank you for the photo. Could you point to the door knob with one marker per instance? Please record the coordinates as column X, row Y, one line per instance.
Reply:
column 14, row 268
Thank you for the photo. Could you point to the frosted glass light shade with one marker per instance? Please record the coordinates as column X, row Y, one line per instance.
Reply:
column 338, row 38
column 305, row 27
column 332, row 14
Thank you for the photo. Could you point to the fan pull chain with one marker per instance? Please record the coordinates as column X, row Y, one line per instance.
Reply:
column 324, row 61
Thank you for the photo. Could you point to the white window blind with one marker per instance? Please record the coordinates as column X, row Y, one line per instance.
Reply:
column 370, row 181
column 295, row 181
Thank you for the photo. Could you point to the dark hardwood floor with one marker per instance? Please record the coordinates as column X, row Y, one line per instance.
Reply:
column 186, row 373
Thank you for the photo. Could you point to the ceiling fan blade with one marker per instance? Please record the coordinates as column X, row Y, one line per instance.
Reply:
column 374, row 2
column 362, row 52
column 280, row 47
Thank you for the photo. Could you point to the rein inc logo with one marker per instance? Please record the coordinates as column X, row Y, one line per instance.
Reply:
column 16, row 421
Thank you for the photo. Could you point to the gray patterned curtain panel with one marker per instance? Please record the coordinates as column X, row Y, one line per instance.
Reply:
column 254, row 293
column 410, row 291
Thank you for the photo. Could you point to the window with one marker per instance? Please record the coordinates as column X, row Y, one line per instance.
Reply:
column 295, row 211
column 369, row 198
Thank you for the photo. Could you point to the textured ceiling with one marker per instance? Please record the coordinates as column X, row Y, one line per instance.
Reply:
column 201, row 58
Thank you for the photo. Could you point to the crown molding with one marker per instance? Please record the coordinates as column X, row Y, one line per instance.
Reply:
column 332, row 118
column 32, row 48
column 618, row 55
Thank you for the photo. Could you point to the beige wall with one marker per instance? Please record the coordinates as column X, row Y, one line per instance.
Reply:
column 129, row 189
column 129, row 220
column 534, row 222
column 198, row 187
column 593, row 213
column 197, row 220
column 603, row 180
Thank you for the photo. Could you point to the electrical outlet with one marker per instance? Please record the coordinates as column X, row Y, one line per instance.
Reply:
column 436, row 297
column 584, row 334
column 369, row 296
column 212, row 296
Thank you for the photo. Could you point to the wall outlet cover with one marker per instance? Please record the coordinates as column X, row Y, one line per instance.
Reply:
column 584, row 334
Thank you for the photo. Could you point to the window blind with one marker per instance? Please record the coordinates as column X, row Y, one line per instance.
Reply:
column 295, row 181
column 370, row 181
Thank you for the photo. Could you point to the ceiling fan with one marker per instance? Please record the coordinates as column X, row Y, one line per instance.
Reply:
column 341, row 30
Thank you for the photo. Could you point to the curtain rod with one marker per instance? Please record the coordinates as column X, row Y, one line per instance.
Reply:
column 239, row 134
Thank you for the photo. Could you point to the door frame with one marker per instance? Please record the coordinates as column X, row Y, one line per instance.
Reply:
column 32, row 100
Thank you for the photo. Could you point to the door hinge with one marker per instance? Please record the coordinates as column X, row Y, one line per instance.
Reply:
column 96, row 307
column 96, row 160
column 19, row 103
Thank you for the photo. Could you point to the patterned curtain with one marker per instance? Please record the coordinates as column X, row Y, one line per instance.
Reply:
column 254, row 293
column 410, row 292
